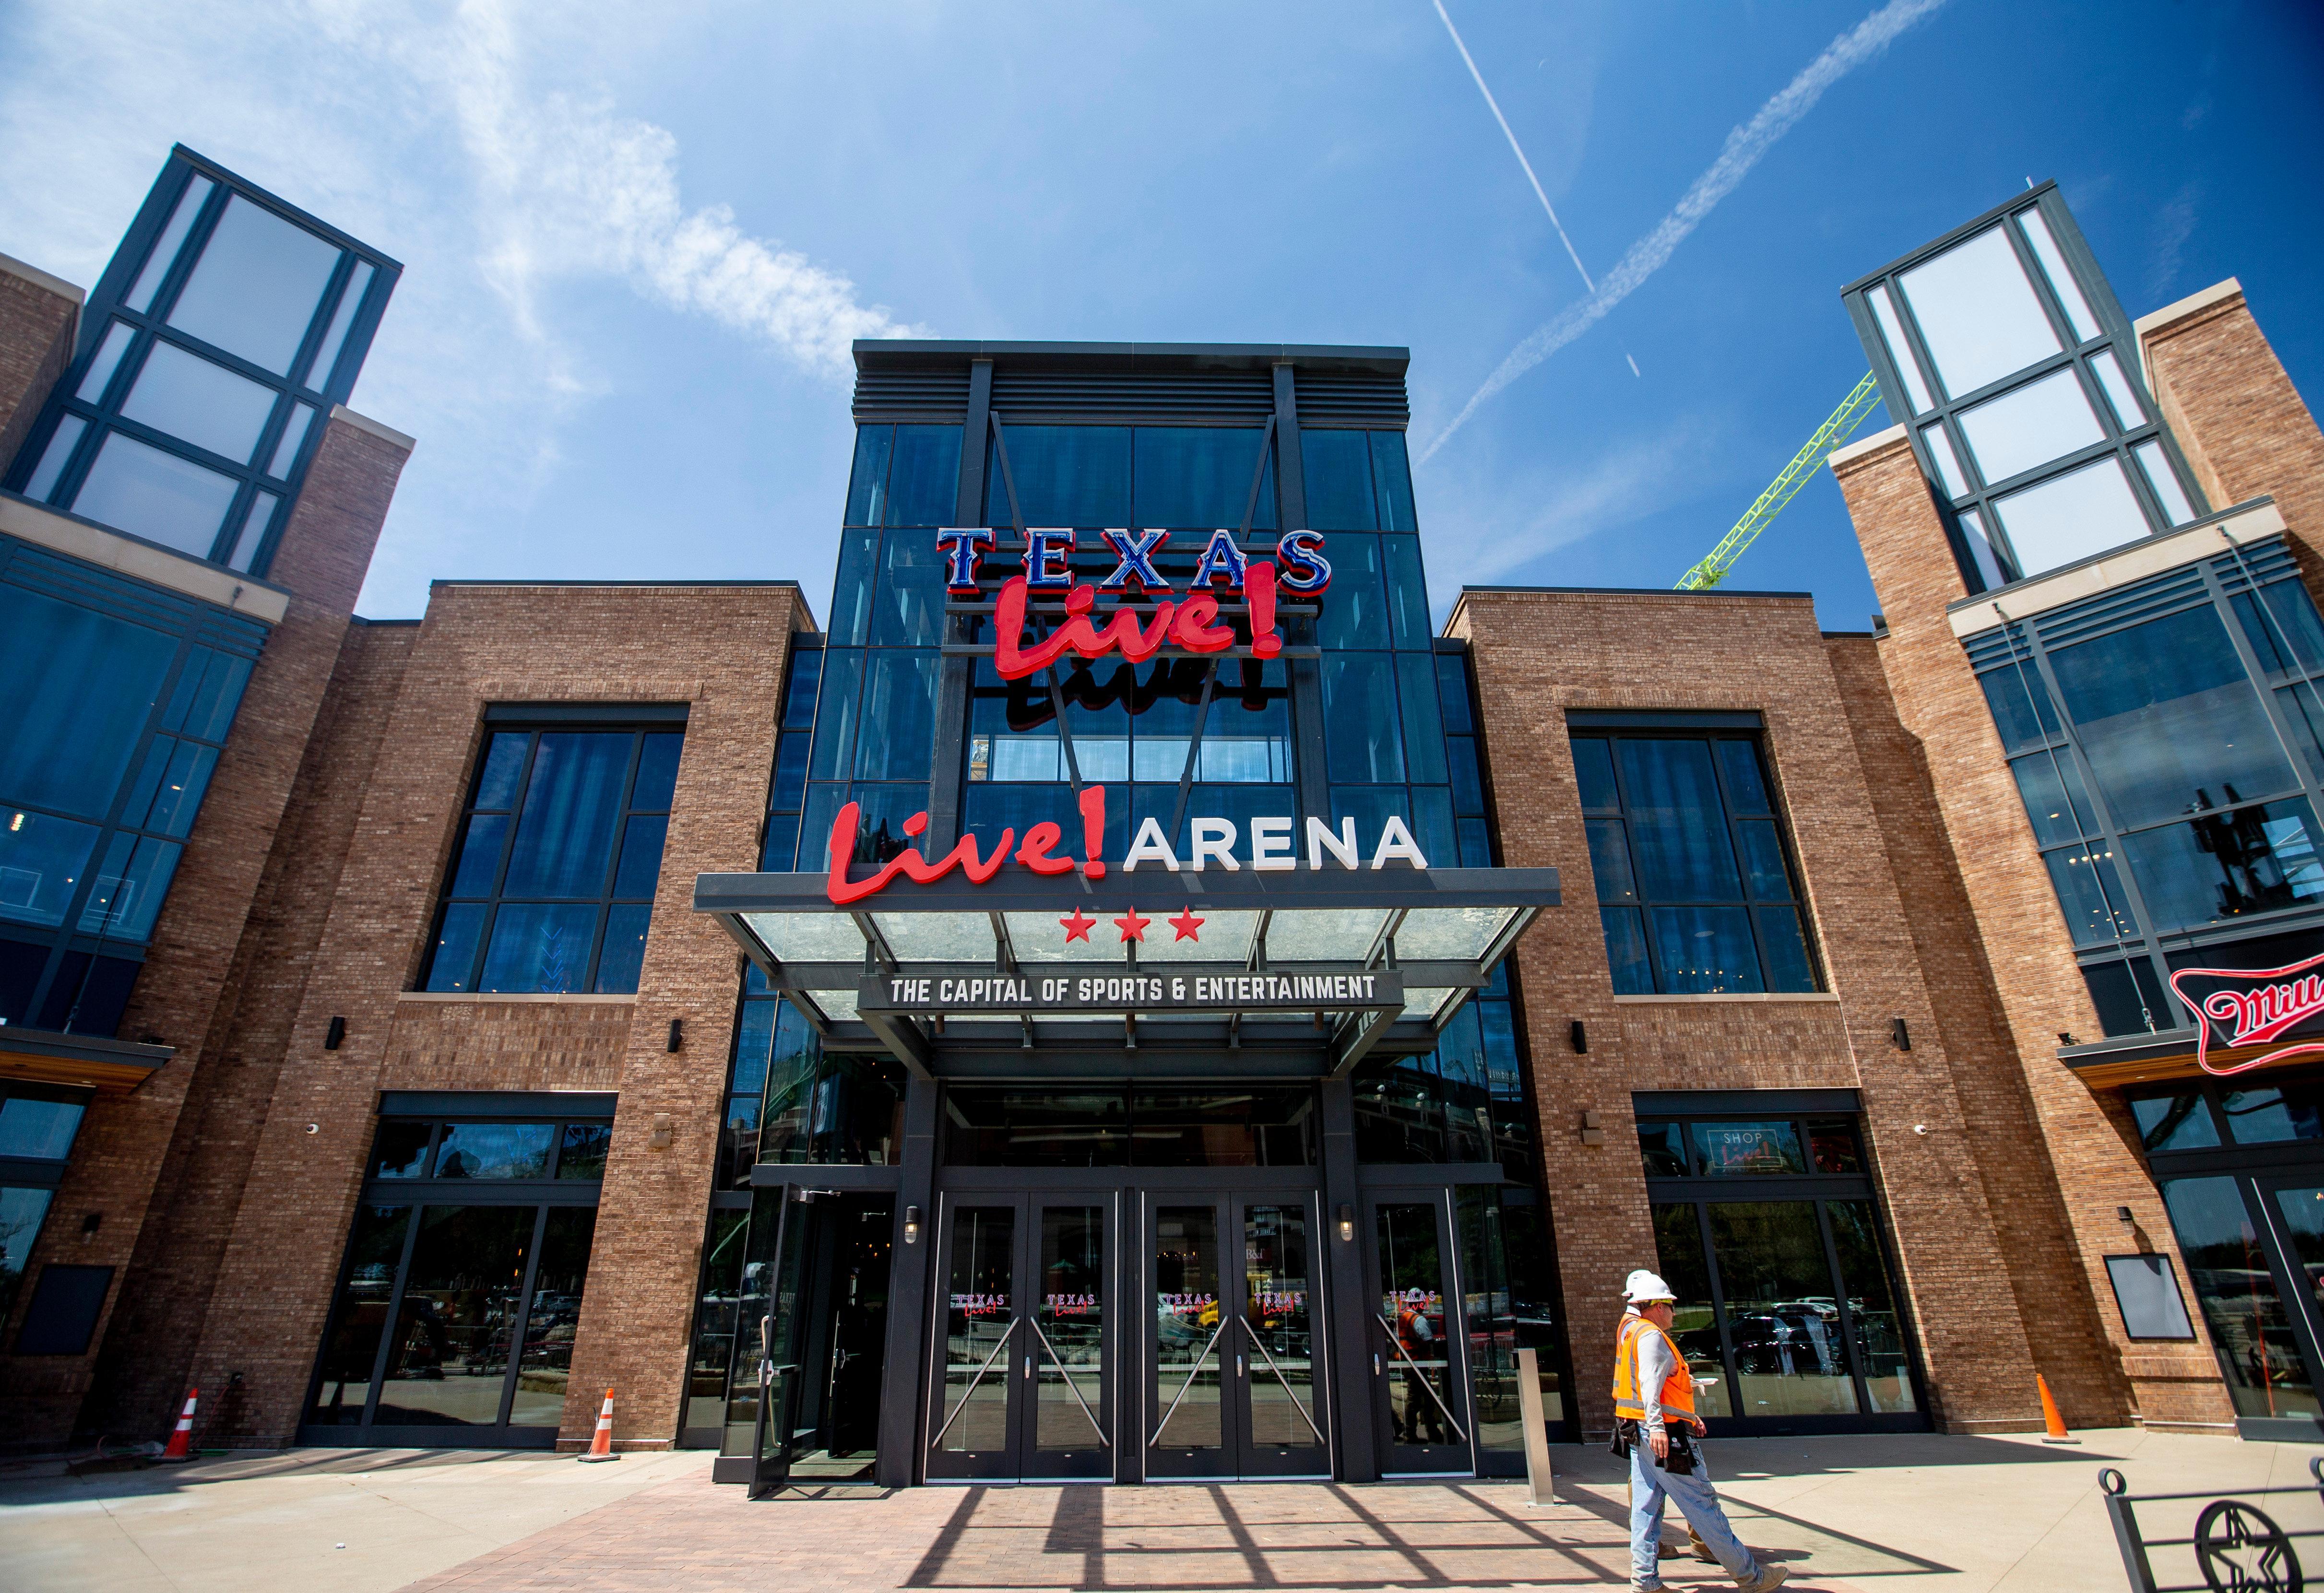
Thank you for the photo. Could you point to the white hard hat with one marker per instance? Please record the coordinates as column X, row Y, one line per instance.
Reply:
column 1643, row 1288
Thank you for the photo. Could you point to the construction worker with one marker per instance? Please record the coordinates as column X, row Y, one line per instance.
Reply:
column 1656, row 1425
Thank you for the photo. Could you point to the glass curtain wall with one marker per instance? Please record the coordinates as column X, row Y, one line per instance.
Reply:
column 2003, row 349
column 552, row 887
column 462, row 1288
column 2240, row 1162
column 1768, row 1230
column 219, row 337
column 1696, row 886
column 121, row 699
column 37, row 1123
column 2165, row 741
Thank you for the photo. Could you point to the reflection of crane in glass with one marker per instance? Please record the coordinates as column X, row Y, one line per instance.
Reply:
column 1713, row 567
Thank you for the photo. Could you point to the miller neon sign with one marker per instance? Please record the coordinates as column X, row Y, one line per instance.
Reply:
column 1298, row 568
column 2250, row 1007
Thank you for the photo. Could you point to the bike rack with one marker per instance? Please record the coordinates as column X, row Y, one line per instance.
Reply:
column 2225, row 1527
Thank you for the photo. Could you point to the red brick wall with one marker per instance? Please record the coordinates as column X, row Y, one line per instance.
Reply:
column 719, row 650
column 1538, row 655
column 37, row 325
column 1939, row 706
column 181, row 997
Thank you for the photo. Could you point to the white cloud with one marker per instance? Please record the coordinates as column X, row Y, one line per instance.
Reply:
column 1744, row 147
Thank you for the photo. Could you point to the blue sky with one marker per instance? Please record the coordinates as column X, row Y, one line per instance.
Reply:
column 638, row 239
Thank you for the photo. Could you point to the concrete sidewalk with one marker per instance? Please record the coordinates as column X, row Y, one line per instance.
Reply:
column 1908, row 1513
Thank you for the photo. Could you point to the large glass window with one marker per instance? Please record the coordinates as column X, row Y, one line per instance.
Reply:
column 1183, row 477
column 2163, row 739
column 1766, row 1226
column 1695, row 880
column 107, row 746
column 1117, row 1126
column 2008, row 335
column 2245, row 1310
column 190, row 419
column 552, row 881
column 462, row 1280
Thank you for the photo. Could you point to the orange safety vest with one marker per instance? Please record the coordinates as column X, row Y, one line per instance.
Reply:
column 1678, row 1388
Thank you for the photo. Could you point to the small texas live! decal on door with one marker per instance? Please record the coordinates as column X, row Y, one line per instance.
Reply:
column 2251, row 1007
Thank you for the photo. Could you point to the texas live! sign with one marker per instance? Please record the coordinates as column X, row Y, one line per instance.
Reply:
column 1191, row 623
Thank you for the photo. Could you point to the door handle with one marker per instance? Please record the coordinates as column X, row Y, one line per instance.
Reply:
column 1028, row 1366
column 1376, row 1366
column 1239, row 1367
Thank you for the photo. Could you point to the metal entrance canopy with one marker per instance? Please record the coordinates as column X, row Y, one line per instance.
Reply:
column 1441, row 930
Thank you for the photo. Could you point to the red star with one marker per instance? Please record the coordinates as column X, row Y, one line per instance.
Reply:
column 1131, row 926
column 1078, row 927
column 1186, row 923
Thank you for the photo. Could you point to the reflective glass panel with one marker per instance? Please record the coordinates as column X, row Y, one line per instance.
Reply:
column 572, row 805
column 1763, row 1147
column 2266, row 1114
column 1407, row 1246
column 496, row 1150
column 1201, row 477
column 2169, row 720
column 67, row 437
column 1900, row 352
column 1977, row 313
column 1694, row 1322
column 2156, row 467
column 1872, row 1304
column 1981, row 550
column 1278, row 1319
column 2243, row 1303
column 190, row 204
column 134, row 487
column 1941, row 449
column 41, row 1130
column 2127, row 412
column 1783, row 1316
column 2178, row 1121
column 1065, row 476
column 1338, row 476
column 2073, row 516
column 327, row 353
column 2089, row 894
column 40, row 862
column 545, row 1366
column 99, row 375
column 1678, row 826
column 2062, row 276
column 350, row 1352
column 1069, row 1351
column 1188, row 1326
column 200, row 401
column 924, row 484
column 293, row 438
column 1362, row 734
column 2030, row 425
column 2053, row 797
column 447, row 1359
column 2222, row 865
column 538, row 949
column 253, row 292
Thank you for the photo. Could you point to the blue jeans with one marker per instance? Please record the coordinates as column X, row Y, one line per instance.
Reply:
column 1696, row 1500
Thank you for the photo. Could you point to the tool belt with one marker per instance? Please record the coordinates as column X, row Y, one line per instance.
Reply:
column 1629, row 1434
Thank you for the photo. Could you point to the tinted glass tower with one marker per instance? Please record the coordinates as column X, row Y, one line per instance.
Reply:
column 1075, row 1189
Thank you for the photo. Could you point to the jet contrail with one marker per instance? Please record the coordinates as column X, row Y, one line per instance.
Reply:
column 1741, row 152
column 1515, row 148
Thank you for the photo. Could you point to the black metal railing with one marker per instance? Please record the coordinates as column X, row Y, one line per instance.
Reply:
column 2238, row 1547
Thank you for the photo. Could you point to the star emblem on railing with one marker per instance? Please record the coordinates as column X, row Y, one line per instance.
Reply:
column 1077, row 928
column 1186, row 923
column 1131, row 926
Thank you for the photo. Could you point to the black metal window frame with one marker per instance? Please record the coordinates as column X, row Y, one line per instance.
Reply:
column 1701, row 1192
column 2020, row 650
column 2075, row 354
column 417, row 1193
column 1612, row 726
column 636, row 722
column 107, row 306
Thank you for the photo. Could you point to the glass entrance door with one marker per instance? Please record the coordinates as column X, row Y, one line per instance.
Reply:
column 1419, row 1382
column 820, row 1334
column 1024, row 1387
column 1230, row 1386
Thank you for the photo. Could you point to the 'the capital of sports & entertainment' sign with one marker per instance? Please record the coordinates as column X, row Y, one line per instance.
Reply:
column 967, row 993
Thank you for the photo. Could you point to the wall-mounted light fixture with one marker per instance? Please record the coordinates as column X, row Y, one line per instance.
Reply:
column 1347, row 1215
column 662, row 1133
column 911, row 1225
column 677, row 1033
column 334, row 1034
column 1899, row 1036
column 1593, row 1127
column 1579, row 1037
column 2123, row 1213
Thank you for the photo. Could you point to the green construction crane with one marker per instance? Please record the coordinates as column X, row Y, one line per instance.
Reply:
column 1780, row 491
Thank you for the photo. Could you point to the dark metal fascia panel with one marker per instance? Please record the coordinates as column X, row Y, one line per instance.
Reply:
column 1633, row 592
column 1681, row 1103
column 497, row 1103
column 903, row 353
column 585, row 713
column 1649, row 719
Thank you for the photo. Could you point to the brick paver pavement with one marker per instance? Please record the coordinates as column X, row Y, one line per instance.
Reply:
column 1168, row 1539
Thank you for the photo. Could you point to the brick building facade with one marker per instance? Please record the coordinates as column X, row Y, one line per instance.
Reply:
column 382, row 1145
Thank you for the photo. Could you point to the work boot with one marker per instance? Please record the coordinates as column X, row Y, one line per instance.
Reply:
column 1648, row 1587
column 1770, row 1578
column 1699, row 1549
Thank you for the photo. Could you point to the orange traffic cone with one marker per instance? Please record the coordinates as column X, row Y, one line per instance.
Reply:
column 2054, row 1423
column 601, row 1442
column 181, row 1440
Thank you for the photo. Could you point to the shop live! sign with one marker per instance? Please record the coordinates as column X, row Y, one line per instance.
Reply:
column 2250, row 1007
column 1298, row 568
column 1271, row 849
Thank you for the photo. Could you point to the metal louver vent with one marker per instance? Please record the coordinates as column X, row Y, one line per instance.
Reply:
column 1353, row 397
column 936, row 394
column 1160, row 395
